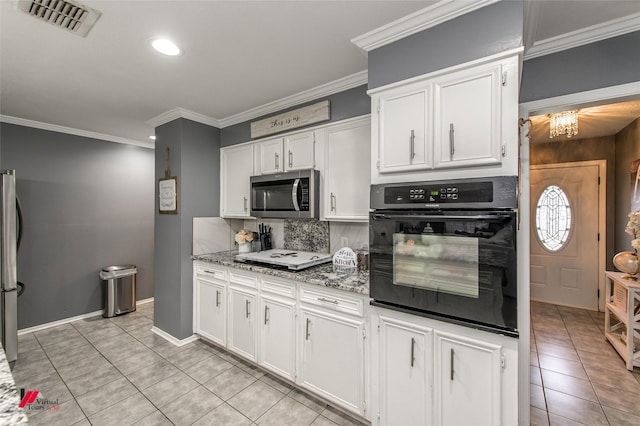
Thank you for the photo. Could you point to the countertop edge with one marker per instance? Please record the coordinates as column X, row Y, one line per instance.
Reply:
column 352, row 281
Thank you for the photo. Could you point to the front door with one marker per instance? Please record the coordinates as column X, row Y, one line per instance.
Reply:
column 564, row 234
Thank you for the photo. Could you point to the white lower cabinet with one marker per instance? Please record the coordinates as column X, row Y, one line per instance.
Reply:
column 210, row 307
column 243, row 314
column 277, row 335
column 467, row 374
column 405, row 373
column 427, row 372
column 242, row 322
column 332, row 357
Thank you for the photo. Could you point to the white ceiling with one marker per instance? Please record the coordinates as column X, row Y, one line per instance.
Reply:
column 238, row 55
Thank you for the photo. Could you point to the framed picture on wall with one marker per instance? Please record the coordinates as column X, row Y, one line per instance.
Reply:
column 168, row 195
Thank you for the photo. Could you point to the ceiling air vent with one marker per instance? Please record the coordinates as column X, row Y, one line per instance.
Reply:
column 70, row 16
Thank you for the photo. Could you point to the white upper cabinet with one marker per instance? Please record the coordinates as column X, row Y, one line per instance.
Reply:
column 457, row 122
column 300, row 151
column 404, row 130
column 269, row 156
column 236, row 167
column 467, row 118
column 346, row 175
column 293, row 152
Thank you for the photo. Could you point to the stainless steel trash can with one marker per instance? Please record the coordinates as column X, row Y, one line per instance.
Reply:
column 119, row 289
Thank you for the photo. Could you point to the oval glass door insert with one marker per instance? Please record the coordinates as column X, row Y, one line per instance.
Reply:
column 553, row 218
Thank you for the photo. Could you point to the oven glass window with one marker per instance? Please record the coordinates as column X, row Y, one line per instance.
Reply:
column 445, row 264
column 553, row 218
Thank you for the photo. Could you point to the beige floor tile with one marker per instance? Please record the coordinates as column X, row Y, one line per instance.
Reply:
column 288, row 412
column 255, row 400
column 569, row 385
column 538, row 417
column 573, row 408
column 229, row 382
column 560, row 365
column 191, row 406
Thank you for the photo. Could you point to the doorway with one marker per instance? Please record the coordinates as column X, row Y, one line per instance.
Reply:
column 565, row 232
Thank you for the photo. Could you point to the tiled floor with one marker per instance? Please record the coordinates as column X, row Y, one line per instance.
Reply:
column 117, row 372
column 576, row 375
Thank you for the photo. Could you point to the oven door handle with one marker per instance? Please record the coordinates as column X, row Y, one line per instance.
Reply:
column 378, row 216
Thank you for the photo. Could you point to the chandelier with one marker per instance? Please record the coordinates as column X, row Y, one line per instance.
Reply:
column 561, row 123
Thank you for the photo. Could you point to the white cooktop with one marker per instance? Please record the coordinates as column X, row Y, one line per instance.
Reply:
column 291, row 259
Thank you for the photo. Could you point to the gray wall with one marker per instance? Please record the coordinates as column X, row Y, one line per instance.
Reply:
column 349, row 103
column 627, row 150
column 481, row 33
column 195, row 160
column 87, row 204
column 601, row 64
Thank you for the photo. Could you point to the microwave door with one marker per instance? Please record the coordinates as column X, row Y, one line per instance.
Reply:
column 296, row 189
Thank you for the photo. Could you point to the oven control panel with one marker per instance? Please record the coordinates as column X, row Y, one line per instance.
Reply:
column 461, row 192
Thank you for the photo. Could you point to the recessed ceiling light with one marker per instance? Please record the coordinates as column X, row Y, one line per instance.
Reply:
column 152, row 137
column 166, row 47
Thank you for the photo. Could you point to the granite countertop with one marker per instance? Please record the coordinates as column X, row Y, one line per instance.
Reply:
column 354, row 281
column 10, row 414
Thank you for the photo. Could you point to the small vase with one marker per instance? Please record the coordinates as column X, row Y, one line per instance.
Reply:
column 244, row 248
column 627, row 261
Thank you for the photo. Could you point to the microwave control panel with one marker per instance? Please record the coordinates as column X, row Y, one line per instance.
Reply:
column 460, row 192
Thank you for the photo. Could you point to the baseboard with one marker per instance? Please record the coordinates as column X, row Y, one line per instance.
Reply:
column 72, row 319
column 168, row 337
column 59, row 322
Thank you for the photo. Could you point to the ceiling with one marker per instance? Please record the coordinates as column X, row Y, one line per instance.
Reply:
column 593, row 122
column 238, row 55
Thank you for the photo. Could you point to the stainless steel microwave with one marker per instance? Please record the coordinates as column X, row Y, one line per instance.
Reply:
column 286, row 195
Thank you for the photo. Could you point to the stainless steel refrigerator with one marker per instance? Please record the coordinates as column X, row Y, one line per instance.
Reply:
column 9, row 250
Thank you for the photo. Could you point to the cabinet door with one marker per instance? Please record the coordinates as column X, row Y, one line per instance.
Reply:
column 347, row 173
column 242, row 332
column 211, row 315
column 332, row 357
column 467, row 374
column 405, row 360
column 236, row 169
column 300, row 151
column 277, row 336
column 468, row 118
column 404, row 132
column 270, row 156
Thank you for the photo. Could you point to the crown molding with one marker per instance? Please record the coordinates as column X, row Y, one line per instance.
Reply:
column 340, row 85
column 428, row 17
column 72, row 131
column 602, row 31
column 176, row 113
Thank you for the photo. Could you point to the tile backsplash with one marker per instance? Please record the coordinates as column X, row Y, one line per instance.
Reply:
column 215, row 234
column 306, row 235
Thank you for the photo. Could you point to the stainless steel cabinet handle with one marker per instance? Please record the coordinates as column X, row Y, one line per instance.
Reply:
column 413, row 140
column 246, row 308
column 413, row 347
column 307, row 331
column 290, row 159
column 322, row 299
column 333, row 202
column 451, row 368
column 451, row 140
column 277, row 160
column 217, row 298
column 245, row 203
column 266, row 314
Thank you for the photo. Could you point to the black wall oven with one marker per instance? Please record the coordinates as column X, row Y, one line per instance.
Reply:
column 447, row 250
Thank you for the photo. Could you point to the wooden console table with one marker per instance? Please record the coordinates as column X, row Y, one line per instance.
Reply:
column 622, row 317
